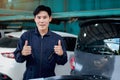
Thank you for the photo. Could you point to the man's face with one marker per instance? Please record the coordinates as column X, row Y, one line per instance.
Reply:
column 42, row 20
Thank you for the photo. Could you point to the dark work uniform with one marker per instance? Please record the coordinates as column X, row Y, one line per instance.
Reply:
column 42, row 61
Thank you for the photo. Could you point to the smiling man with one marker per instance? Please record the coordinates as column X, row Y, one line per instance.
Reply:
column 41, row 48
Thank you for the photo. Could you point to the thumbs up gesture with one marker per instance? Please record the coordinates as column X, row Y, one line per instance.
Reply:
column 26, row 49
column 58, row 49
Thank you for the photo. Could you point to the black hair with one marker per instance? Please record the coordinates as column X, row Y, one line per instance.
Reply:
column 42, row 8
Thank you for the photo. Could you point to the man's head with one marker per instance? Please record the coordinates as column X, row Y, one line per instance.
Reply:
column 42, row 8
column 42, row 17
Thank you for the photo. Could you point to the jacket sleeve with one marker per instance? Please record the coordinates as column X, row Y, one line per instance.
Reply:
column 17, row 53
column 61, row 60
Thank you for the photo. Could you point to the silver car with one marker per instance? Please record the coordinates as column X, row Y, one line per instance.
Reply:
column 11, row 70
column 97, row 51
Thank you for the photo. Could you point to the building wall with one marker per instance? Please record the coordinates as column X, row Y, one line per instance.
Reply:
column 80, row 5
column 61, row 6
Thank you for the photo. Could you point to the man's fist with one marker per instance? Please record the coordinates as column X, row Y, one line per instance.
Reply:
column 26, row 49
column 58, row 49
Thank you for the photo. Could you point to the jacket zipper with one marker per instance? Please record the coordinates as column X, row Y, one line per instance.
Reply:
column 41, row 55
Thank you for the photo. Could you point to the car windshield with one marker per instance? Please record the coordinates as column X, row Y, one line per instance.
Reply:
column 100, row 38
column 8, row 42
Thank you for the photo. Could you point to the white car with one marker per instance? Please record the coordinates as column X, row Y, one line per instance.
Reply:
column 70, row 41
column 11, row 70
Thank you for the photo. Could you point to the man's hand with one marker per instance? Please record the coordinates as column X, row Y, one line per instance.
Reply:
column 26, row 49
column 58, row 49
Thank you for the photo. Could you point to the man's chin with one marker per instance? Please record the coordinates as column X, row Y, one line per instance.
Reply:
column 42, row 29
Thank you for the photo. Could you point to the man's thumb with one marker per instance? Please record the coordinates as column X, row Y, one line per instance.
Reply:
column 26, row 43
column 59, row 42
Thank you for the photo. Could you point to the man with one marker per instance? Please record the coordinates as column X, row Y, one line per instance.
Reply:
column 40, row 48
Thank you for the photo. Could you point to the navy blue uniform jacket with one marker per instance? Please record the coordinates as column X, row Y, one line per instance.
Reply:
column 42, row 61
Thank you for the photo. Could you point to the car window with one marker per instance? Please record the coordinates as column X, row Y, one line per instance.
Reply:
column 113, row 45
column 69, row 43
column 100, row 38
column 8, row 42
column 106, row 46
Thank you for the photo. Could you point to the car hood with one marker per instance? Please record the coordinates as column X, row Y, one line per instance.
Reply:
column 92, row 54
column 98, row 29
column 97, row 65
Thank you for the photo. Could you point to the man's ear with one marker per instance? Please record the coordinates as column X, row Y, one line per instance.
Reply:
column 50, row 19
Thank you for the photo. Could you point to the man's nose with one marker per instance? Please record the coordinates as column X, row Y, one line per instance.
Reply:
column 41, row 20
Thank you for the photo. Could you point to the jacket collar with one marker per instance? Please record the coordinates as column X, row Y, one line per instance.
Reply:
column 48, row 33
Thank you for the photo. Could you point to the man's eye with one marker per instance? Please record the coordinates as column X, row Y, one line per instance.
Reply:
column 38, row 17
column 44, row 17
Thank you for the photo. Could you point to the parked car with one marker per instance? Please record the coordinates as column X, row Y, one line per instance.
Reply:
column 70, row 41
column 11, row 70
column 97, row 50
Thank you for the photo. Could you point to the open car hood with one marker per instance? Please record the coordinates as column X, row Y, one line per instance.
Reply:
column 98, row 29
column 98, row 48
